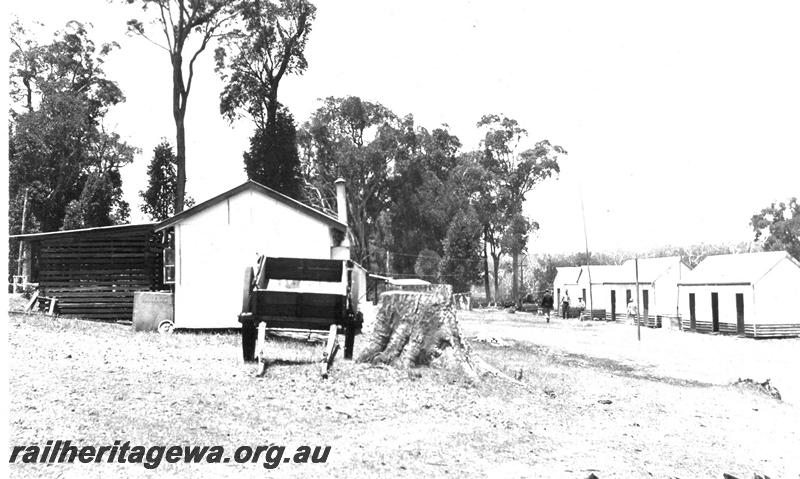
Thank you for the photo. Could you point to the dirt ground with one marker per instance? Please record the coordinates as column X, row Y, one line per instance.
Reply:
column 718, row 359
column 670, row 411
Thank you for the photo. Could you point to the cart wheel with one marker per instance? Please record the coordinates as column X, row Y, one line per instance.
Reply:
column 247, row 288
column 166, row 326
column 249, row 333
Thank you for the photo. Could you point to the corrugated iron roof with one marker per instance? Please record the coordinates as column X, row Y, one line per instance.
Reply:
column 567, row 274
column 112, row 228
column 650, row 269
column 602, row 273
column 252, row 185
column 744, row 268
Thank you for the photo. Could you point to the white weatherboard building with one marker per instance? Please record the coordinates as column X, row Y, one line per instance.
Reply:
column 750, row 294
column 566, row 283
column 613, row 285
column 600, row 276
column 214, row 241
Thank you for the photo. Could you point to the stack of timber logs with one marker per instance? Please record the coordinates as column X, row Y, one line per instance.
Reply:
column 94, row 273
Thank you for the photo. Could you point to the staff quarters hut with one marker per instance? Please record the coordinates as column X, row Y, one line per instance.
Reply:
column 94, row 272
column 566, row 284
column 614, row 285
column 602, row 276
column 749, row 294
column 214, row 241
column 198, row 255
column 658, row 289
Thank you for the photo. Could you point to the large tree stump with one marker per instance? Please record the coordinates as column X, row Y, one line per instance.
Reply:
column 417, row 328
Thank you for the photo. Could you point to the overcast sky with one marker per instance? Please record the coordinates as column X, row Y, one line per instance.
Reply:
column 681, row 118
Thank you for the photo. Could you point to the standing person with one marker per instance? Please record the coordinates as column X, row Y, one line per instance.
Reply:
column 565, row 305
column 632, row 311
column 547, row 303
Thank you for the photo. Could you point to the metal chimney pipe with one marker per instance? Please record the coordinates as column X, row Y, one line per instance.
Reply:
column 341, row 200
column 342, row 250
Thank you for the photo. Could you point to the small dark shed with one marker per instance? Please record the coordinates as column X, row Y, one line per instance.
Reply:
column 94, row 272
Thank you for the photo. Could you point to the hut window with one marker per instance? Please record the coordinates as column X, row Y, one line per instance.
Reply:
column 168, row 240
column 169, row 265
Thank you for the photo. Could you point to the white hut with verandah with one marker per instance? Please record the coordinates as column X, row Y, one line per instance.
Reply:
column 749, row 294
column 213, row 242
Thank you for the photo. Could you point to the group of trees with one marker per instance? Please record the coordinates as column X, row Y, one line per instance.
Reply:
column 259, row 43
column 410, row 190
column 417, row 204
column 63, row 162
column 778, row 226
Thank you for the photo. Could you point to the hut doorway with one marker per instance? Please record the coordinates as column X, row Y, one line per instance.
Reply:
column 740, row 313
column 692, row 314
column 645, row 301
column 613, row 305
column 714, row 312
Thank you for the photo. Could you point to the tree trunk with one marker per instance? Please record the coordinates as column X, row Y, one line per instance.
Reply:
column 360, row 246
column 486, row 270
column 415, row 328
column 514, row 278
column 179, row 113
column 272, row 108
column 180, row 161
column 28, row 94
column 496, row 268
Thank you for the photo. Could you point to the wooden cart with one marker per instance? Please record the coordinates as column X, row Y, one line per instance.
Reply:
column 299, row 294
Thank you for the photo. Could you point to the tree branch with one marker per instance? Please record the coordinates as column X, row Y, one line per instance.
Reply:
column 164, row 23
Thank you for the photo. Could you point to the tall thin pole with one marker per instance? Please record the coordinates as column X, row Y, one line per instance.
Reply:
column 638, row 321
column 678, row 309
column 586, row 243
column 22, row 232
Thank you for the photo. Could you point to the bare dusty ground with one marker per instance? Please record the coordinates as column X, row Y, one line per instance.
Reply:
column 97, row 383
column 717, row 359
